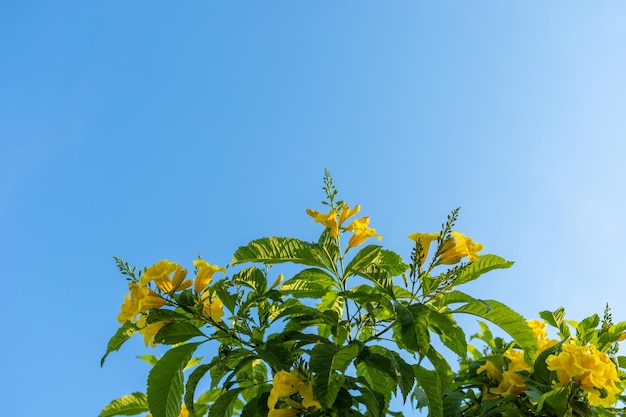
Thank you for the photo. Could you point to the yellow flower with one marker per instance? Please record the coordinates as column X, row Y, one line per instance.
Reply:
column 308, row 401
column 150, row 330
column 278, row 281
column 327, row 219
column 158, row 271
column 362, row 232
column 425, row 240
column 538, row 328
column 212, row 307
column 591, row 369
column 346, row 213
column 457, row 247
column 205, row 274
column 284, row 385
column 140, row 300
column 492, row 370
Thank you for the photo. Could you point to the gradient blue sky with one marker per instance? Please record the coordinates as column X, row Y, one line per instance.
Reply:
column 160, row 129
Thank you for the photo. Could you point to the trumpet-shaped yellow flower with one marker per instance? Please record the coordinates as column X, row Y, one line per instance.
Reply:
column 425, row 239
column 509, row 381
column 346, row 213
column 538, row 328
column 140, row 300
column 205, row 274
column 159, row 270
column 283, row 385
column 362, row 232
column 327, row 219
column 308, row 401
column 591, row 369
column 457, row 247
column 492, row 370
column 150, row 330
column 212, row 307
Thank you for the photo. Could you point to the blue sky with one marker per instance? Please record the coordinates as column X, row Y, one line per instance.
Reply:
column 151, row 130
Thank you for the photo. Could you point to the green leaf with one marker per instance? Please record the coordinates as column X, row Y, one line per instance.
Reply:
column 369, row 255
column 192, row 383
column 442, row 368
column 449, row 332
column 177, row 332
column 405, row 378
column 229, row 300
column 274, row 250
column 257, row 407
column 165, row 381
column 378, row 378
column 484, row 264
column 556, row 319
column 150, row 359
column 309, row 283
column 621, row 360
column 156, row 314
column 505, row 318
column 412, row 326
column 225, row 403
column 431, row 385
column 392, row 263
column 252, row 278
column 128, row 405
column 373, row 400
column 326, row 361
column 121, row 335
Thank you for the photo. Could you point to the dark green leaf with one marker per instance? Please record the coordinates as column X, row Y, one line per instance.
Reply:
column 156, row 314
column 121, row 335
column 257, row 407
column 326, row 361
column 412, row 326
column 274, row 250
column 128, row 405
column 165, row 381
column 224, row 404
column 192, row 383
column 177, row 332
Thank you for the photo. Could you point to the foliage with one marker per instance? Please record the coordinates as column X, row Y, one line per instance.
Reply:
column 354, row 327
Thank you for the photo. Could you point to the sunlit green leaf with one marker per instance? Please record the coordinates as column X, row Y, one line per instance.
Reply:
column 367, row 256
column 252, row 278
column 274, row 250
column 505, row 318
column 484, row 264
column 128, row 405
column 309, row 283
column 449, row 332
column 431, row 385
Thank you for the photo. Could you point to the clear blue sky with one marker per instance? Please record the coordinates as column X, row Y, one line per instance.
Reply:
column 161, row 129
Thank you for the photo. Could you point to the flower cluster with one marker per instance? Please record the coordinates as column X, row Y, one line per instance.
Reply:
column 455, row 248
column 284, row 386
column 510, row 382
column 158, row 286
column 592, row 370
column 335, row 219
